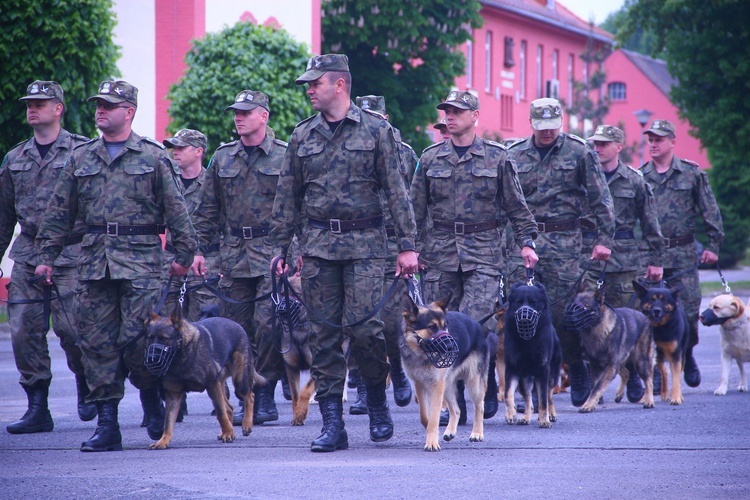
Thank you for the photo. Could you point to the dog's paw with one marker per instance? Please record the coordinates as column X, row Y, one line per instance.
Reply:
column 648, row 405
column 586, row 408
column 742, row 388
column 432, row 446
column 476, row 437
column 523, row 421
column 448, row 436
column 676, row 402
column 618, row 398
column 158, row 446
column 552, row 418
column 721, row 390
column 544, row 424
column 227, row 437
column 246, row 431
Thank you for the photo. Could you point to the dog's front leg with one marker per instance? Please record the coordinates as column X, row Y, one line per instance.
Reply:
column 510, row 404
column 454, row 412
column 173, row 400
column 303, row 403
column 215, row 391
column 676, row 369
column 743, row 376
column 726, row 365
column 660, row 365
column 433, row 401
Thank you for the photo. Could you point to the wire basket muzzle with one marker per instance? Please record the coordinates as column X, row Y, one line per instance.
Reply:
column 159, row 357
column 527, row 319
column 441, row 349
column 578, row 318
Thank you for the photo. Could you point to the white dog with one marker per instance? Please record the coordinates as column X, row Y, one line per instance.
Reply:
column 733, row 317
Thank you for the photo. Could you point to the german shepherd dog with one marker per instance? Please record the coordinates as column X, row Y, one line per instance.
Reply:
column 533, row 355
column 664, row 310
column 297, row 358
column 733, row 317
column 612, row 337
column 200, row 356
column 424, row 324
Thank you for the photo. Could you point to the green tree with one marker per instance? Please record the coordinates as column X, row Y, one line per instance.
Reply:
column 405, row 50
column 641, row 40
column 705, row 46
column 69, row 42
column 243, row 56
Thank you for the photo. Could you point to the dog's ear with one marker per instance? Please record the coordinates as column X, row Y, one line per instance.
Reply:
column 176, row 316
column 443, row 303
column 676, row 290
column 600, row 294
column 640, row 290
column 151, row 318
column 410, row 309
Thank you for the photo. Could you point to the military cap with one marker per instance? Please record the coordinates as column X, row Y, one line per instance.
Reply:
column 460, row 100
column 318, row 66
column 187, row 137
column 608, row 133
column 116, row 91
column 661, row 128
column 440, row 125
column 249, row 99
column 375, row 103
column 40, row 89
column 546, row 114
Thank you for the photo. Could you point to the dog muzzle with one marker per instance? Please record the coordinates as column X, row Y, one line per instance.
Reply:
column 708, row 318
column 288, row 312
column 441, row 349
column 159, row 357
column 578, row 319
column 527, row 319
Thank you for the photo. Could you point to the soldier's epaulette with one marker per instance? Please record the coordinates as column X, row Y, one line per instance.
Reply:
column 432, row 146
column 576, row 138
column 690, row 162
column 519, row 141
column 635, row 170
column 79, row 138
column 280, row 142
column 373, row 113
column 306, row 120
column 154, row 142
column 493, row 143
column 407, row 145
column 225, row 145
column 88, row 141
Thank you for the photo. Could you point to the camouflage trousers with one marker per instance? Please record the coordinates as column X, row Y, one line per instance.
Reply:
column 690, row 297
column 558, row 277
column 343, row 292
column 257, row 320
column 194, row 301
column 473, row 293
column 29, row 327
column 111, row 313
column 619, row 288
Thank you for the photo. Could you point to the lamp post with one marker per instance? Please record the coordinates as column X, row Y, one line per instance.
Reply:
column 642, row 115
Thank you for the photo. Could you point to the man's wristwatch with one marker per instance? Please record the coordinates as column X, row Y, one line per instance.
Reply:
column 530, row 244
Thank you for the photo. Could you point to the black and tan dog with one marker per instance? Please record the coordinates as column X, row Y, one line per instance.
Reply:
column 663, row 309
column 612, row 337
column 425, row 324
column 298, row 358
column 201, row 356
column 733, row 316
column 533, row 355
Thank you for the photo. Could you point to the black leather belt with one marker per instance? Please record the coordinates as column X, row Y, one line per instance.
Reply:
column 678, row 242
column 31, row 231
column 465, row 227
column 117, row 229
column 550, row 227
column 624, row 234
column 212, row 248
column 338, row 226
column 590, row 234
column 249, row 232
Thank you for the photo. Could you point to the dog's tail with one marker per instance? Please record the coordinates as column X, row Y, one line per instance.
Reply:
column 492, row 341
column 259, row 380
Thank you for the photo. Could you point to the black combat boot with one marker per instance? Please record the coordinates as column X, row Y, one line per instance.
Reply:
column 381, row 423
column 107, row 436
column 401, row 385
column 37, row 417
column 153, row 412
column 359, row 407
column 580, row 383
column 333, row 435
column 86, row 411
column 692, row 373
column 265, row 409
column 285, row 389
column 635, row 389
column 353, row 379
column 490, row 397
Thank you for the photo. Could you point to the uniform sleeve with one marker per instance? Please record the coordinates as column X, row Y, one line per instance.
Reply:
column 419, row 200
column 649, row 218
column 288, row 201
column 711, row 214
column 599, row 197
column 176, row 214
column 207, row 214
column 514, row 204
column 8, row 217
column 60, row 215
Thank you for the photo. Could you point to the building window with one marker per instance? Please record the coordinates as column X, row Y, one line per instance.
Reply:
column 469, row 64
column 506, row 112
column 617, row 91
column 539, row 75
column 522, row 69
column 571, row 77
column 488, row 62
column 509, row 61
column 555, row 70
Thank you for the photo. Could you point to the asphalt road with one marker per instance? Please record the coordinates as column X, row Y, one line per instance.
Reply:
column 698, row 450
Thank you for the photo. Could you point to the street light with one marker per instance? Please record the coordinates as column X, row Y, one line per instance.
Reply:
column 642, row 115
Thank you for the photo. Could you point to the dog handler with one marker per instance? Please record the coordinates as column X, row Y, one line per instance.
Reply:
column 337, row 163
column 123, row 187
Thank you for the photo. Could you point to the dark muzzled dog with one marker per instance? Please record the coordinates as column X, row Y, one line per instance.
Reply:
column 203, row 355
column 611, row 337
column 433, row 384
column 533, row 355
column 664, row 310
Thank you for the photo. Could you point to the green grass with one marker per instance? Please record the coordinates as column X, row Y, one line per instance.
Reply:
column 715, row 286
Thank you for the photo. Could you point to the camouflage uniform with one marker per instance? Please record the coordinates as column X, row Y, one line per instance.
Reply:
column 330, row 177
column 557, row 189
column 481, row 187
column 237, row 199
column 26, row 185
column 122, row 201
column 682, row 195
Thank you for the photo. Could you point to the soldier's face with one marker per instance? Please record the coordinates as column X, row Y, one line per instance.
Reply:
column 544, row 138
column 112, row 119
column 250, row 122
column 321, row 92
column 185, row 156
column 608, row 152
column 659, row 146
column 459, row 121
column 40, row 112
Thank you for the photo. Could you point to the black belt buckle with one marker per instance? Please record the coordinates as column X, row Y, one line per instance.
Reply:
column 459, row 228
column 335, row 226
column 666, row 243
column 541, row 227
column 247, row 232
column 113, row 229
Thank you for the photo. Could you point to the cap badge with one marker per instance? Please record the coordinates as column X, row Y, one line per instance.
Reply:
column 118, row 91
column 44, row 89
column 365, row 104
column 600, row 129
column 465, row 99
column 452, row 96
column 105, row 88
column 546, row 113
column 34, row 89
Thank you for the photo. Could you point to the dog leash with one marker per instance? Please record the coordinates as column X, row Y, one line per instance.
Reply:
column 500, row 300
column 723, row 280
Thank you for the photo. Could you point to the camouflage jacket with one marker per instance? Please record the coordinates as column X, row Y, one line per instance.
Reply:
column 340, row 176
column 137, row 187
column 557, row 188
column 682, row 195
column 408, row 166
column 634, row 201
column 26, row 185
column 239, row 192
column 481, row 186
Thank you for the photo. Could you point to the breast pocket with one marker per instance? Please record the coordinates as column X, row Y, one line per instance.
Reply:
column 440, row 183
column 90, row 183
column 268, row 177
column 484, row 183
column 624, row 201
column 140, row 181
column 311, row 158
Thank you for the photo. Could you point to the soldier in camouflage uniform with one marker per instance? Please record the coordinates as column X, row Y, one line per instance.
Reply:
column 330, row 184
column 682, row 194
column 189, row 149
column 240, row 191
column 559, row 174
column 634, row 203
column 463, row 191
column 123, row 187
column 27, row 177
